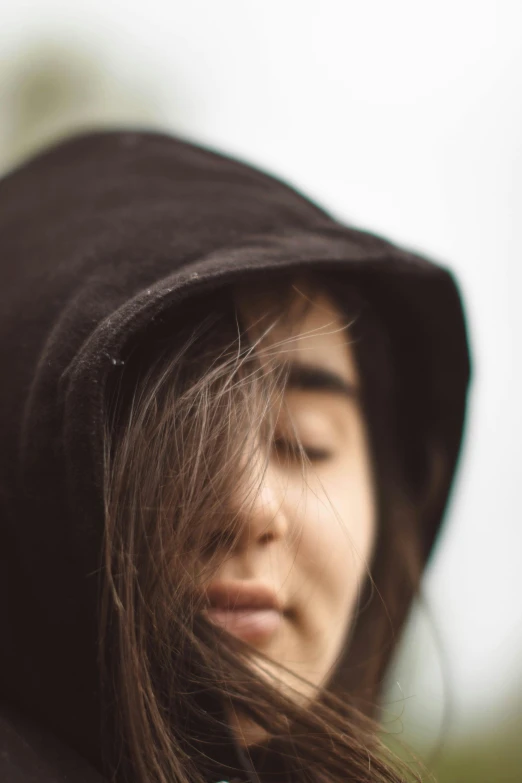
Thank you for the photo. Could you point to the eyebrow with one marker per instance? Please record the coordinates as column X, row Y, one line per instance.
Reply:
column 310, row 377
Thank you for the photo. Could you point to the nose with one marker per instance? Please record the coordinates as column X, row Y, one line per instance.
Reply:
column 263, row 516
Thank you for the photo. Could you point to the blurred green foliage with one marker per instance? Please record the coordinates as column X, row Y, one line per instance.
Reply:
column 477, row 759
column 51, row 89
column 481, row 761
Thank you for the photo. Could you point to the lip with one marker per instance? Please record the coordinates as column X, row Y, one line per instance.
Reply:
column 242, row 594
column 249, row 610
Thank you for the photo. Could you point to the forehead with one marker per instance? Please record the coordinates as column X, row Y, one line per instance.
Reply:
column 307, row 328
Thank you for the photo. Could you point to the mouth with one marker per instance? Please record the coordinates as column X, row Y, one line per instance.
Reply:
column 248, row 610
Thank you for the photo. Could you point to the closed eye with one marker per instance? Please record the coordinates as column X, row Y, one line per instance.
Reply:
column 292, row 450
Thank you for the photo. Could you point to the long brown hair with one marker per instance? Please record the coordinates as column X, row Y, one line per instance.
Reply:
column 194, row 397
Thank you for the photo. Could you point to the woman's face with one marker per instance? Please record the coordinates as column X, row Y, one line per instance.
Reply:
column 290, row 585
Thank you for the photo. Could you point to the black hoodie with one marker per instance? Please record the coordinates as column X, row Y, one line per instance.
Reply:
column 100, row 236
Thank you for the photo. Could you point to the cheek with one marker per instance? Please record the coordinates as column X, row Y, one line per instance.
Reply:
column 335, row 536
column 352, row 505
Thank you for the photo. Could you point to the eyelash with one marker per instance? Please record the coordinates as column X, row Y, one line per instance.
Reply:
column 291, row 448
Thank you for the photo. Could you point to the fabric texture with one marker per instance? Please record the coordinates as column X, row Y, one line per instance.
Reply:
column 101, row 236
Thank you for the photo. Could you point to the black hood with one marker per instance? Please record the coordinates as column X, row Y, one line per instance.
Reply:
column 99, row 237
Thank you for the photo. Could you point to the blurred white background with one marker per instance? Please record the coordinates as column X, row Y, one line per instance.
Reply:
column 402, row 117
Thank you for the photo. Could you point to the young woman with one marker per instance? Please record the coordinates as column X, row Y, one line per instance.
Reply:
column 229, row 429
